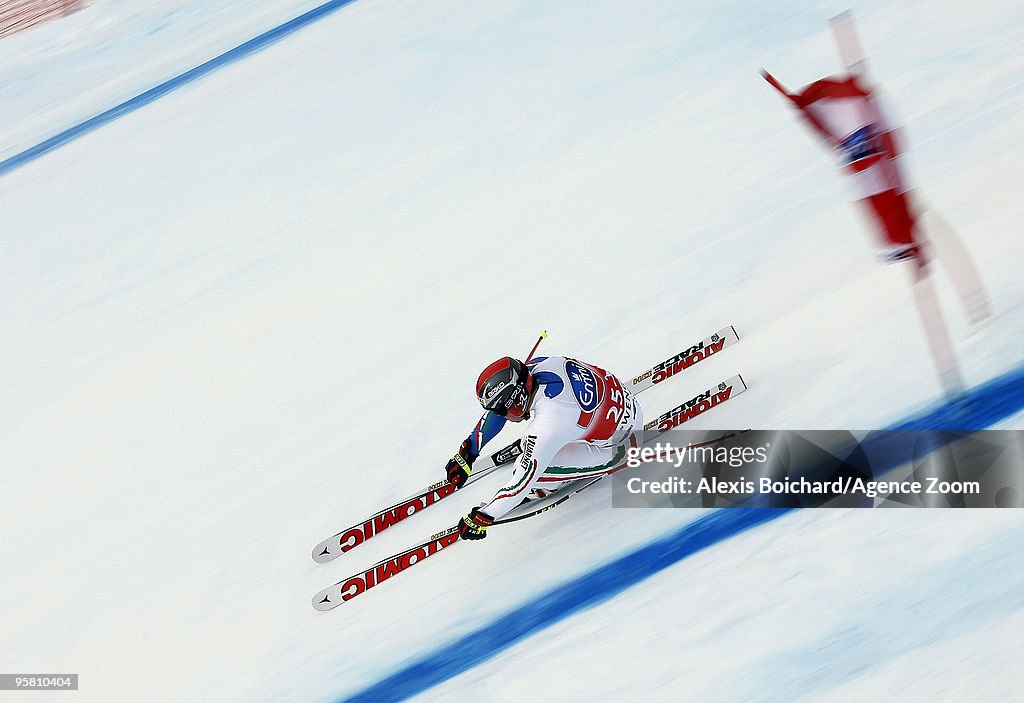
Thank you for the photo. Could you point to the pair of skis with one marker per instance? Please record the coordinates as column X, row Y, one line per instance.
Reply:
column 348, row 539
column 353, row 536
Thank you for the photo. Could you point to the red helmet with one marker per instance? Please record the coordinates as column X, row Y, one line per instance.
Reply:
column 504, row 387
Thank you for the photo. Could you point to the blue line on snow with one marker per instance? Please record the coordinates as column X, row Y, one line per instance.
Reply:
column 228, row 57
column 585, row 591
column 979, row 408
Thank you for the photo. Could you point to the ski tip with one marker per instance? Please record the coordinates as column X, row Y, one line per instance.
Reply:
column 543, row 334
column 321, row 553
column 322, row 601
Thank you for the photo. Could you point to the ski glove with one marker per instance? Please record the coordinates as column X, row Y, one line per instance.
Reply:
column 460, row 466
column 474, row 525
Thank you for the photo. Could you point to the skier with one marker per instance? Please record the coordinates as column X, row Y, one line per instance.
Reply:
column 581, row 422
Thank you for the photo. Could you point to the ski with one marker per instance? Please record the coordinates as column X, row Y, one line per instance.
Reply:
column 347, row 589
column 697, row 405
column 351, row 537
column 676, row 363
column 333, row 596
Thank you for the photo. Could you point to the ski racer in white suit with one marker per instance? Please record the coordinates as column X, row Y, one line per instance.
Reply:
column 582, row 420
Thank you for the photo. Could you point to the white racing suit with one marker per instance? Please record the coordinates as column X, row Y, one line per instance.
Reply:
column 582, row 421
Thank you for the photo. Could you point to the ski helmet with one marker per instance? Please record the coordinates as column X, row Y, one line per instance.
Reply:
column 504, row 387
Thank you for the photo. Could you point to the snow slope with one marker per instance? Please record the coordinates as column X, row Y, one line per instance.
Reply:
column 795, row 611
column 253, row 310
column 63, row 73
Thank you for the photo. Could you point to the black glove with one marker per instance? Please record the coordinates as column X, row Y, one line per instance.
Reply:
column 460, row 466
column 474, row 526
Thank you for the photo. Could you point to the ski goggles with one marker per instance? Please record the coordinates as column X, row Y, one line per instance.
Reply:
column 510, row 400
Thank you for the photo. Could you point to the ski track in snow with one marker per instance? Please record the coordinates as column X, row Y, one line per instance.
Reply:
column 204, row 293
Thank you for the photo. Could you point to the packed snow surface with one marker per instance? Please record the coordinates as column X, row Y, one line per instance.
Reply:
column 250, row 313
